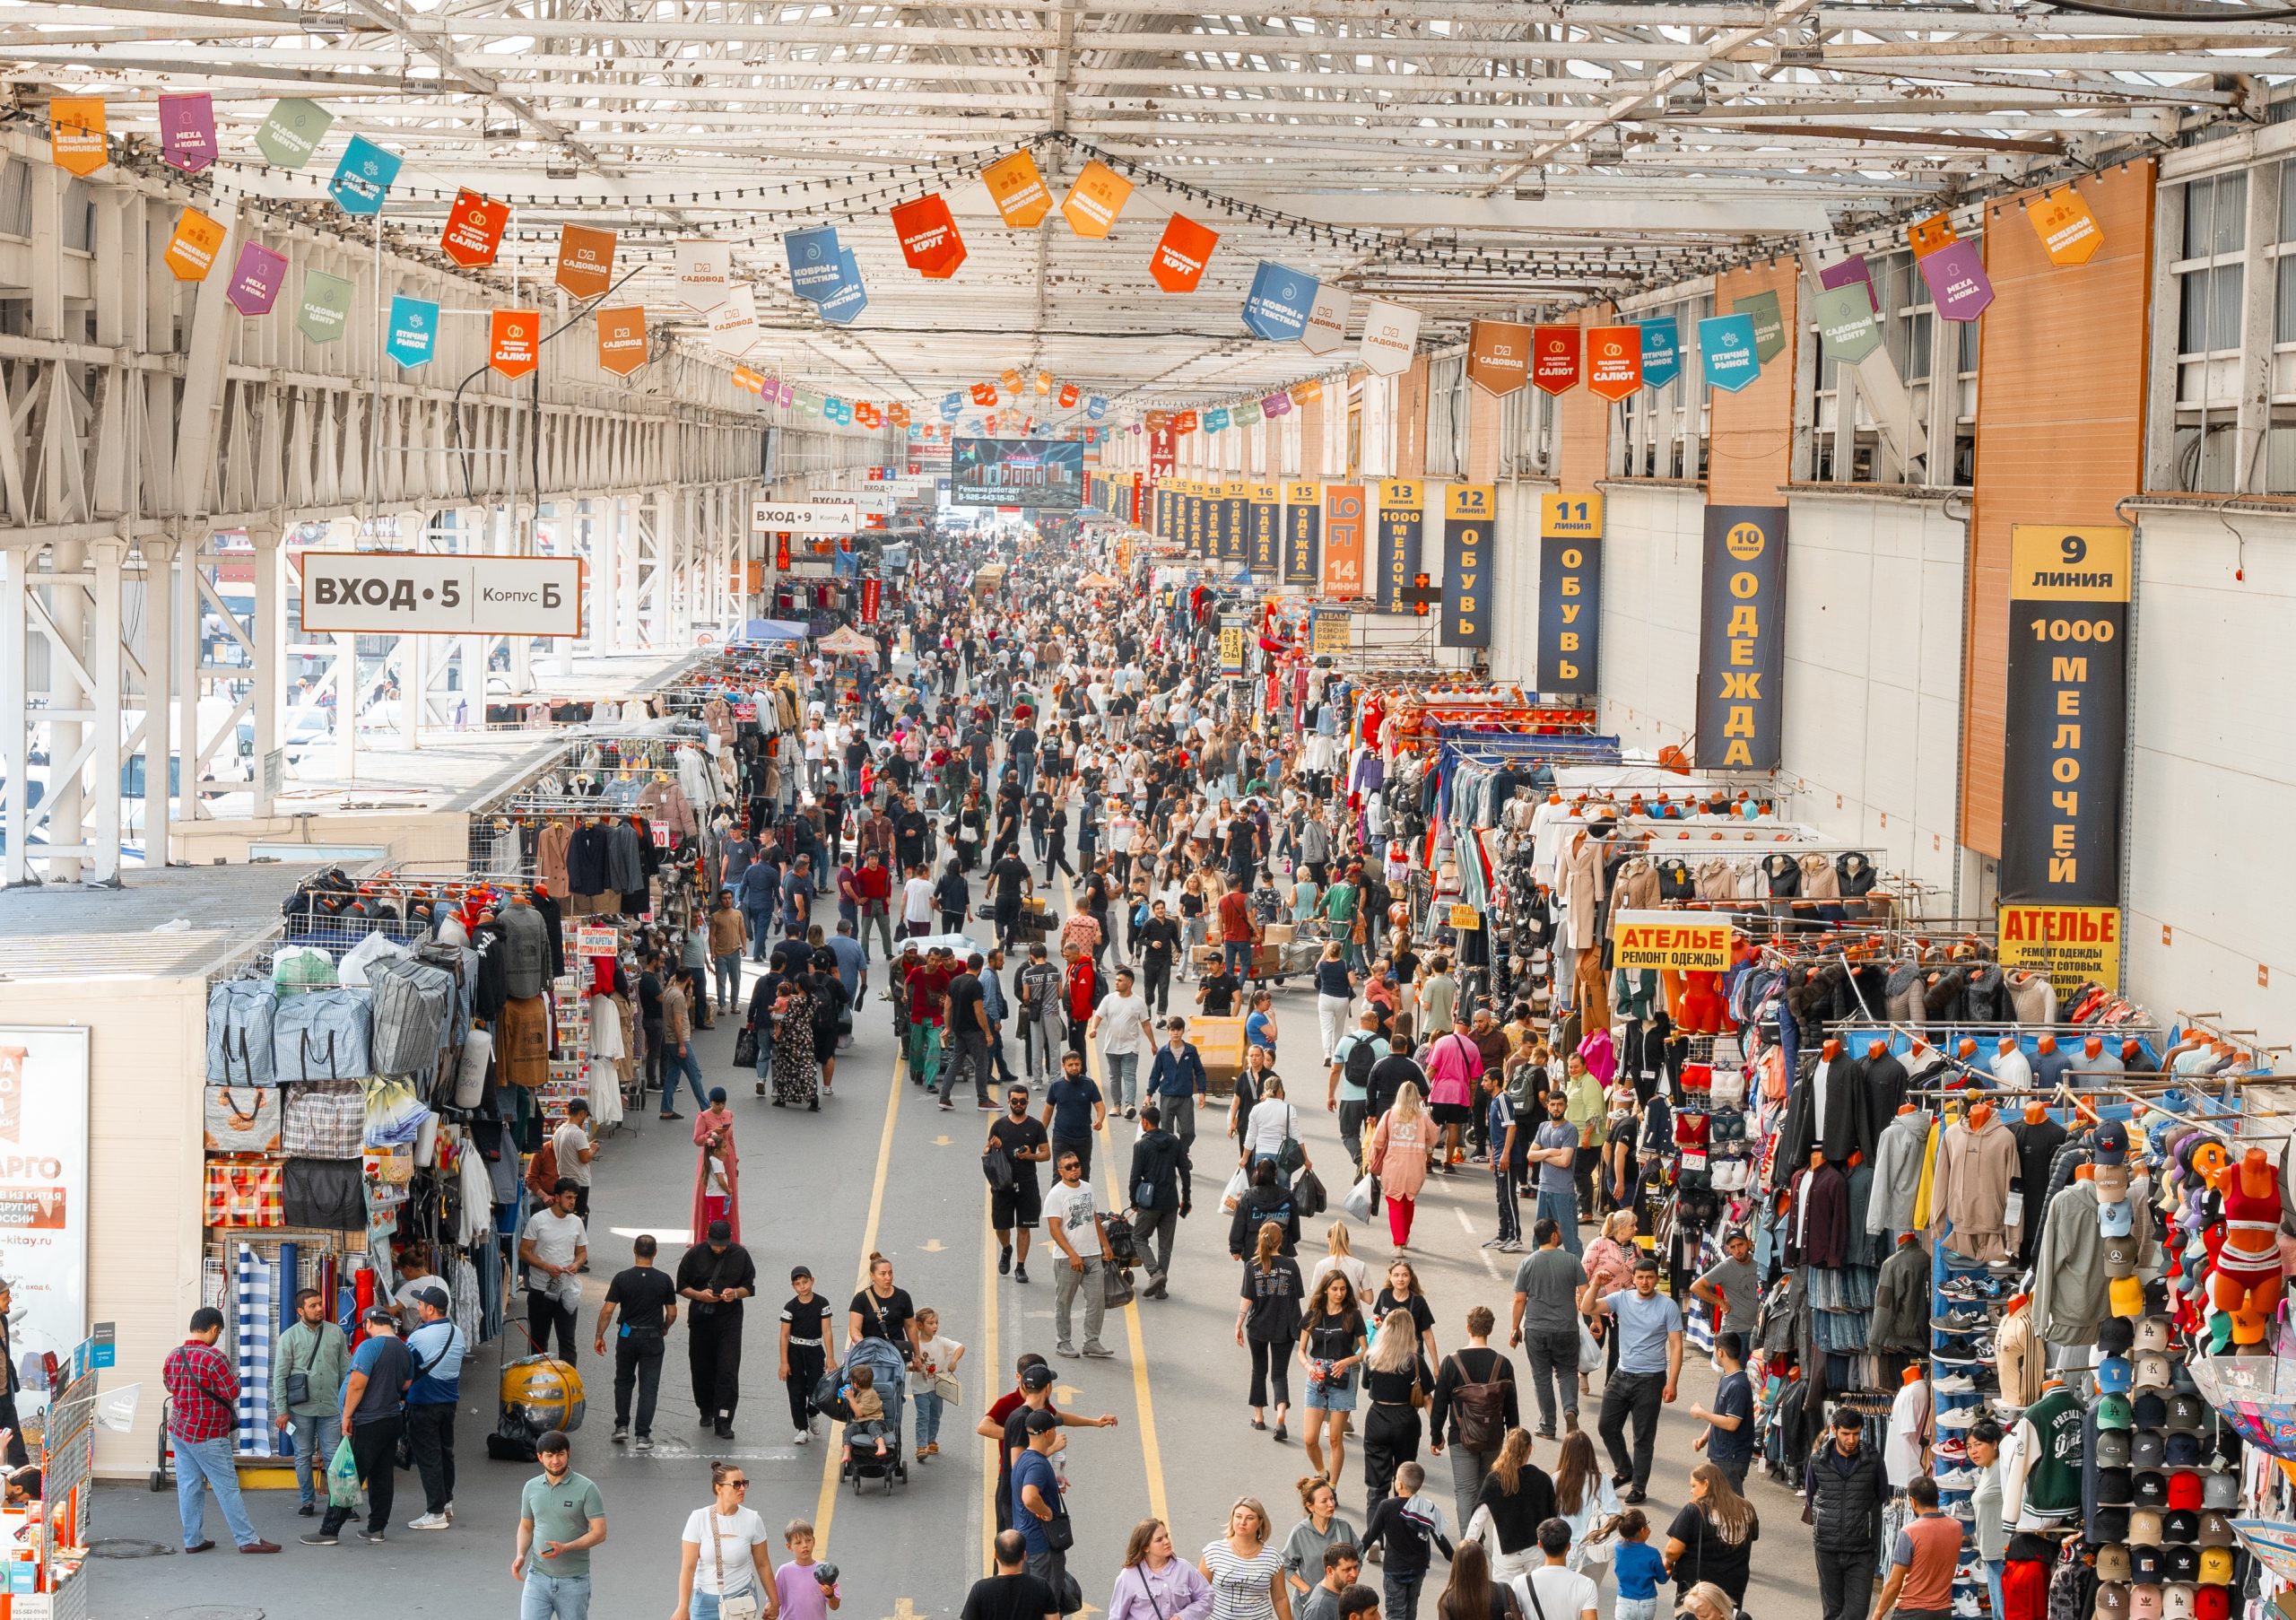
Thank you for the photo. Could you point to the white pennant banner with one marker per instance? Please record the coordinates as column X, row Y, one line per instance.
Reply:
column 732, row 324
column 1390, row 334
column 1326, row 327
column 705, row 270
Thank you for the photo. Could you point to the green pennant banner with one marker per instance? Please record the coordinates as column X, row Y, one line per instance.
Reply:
column 293, row 132
column 1770, row 324
column 1846, row 325
column 326, row 306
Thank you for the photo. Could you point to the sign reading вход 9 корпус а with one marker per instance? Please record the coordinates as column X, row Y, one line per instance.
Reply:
column 421, row 593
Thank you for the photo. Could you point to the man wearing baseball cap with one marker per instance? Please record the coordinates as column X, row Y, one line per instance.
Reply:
column 437, row 1349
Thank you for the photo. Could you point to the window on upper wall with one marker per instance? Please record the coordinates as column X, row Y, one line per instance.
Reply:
column 1446, row 415
column 2212, row 275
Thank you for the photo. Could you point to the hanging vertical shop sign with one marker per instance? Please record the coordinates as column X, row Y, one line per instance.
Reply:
column 44, row 1119
column 622, row 347
column 1568, row 656
column 704, row 271
column 1263, row 521
column 1017, row 190
column 873, row 597
column 291, row 131
column 1233, row 641
column 1742, row 637
column 1469, row 512
column 363, row 177
column 585, row 261
column 1769, row 324
column 1555, row 358
column 75, row 134
column 1302, row 528
column 1952, row 269
column 1327, row 327
column 1345, row 516
column 1277, row 307
column 1095, row 199
column 1329, row 630
column 1275, row 404
column 1662, row 360
column 2068, row 231
column 1614, row 361
column 1402, row 525
column 257, row 278
column 1244, row 413
column 929, row 242
column 412, row 330
column 474, row 232
column 1498, row 356
column 1726, row 347
column 844, row 305
column 1847, row 329
column 1215, row 420
column 2064, row 738
column 1390, row 335
column 816, row 268
column 326, row 306
column 733, row 325
column 1159, row 452
column 1200, row 510
column 1851, row 272
column 191, row 250
column 188, row 131
column 1235, row 542
column 514, row 341
column 1181, row 254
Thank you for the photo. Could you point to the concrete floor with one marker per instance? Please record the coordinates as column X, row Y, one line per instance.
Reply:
column 880, row 1167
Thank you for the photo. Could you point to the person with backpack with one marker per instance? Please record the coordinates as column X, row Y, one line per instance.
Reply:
column 1347, row 1089
column 1471, row 1409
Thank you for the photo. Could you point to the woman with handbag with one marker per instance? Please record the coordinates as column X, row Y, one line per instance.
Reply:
column 1156, row 1583
column 727, row 1562
column 1397, row 1156
column 1585, row 1500
column 1396, row 1382
column 1712, row 1538
column 1268, row 1319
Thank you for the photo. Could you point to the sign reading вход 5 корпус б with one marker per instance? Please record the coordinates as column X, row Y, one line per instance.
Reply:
column 422, row 593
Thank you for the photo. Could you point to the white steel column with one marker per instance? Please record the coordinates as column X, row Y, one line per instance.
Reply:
column 190, row 654
column 102, row 832
column 159, row 715
column 16, row 716
column 270, row 646
column 71, row 707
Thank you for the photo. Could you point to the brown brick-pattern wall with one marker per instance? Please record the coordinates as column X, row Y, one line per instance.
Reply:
column 1411, row 420
column 1583, row 429
column 1750, row 434
column 2060, row 430
column 1482, row 435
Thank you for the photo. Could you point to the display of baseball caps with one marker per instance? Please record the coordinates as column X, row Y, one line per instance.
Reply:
column 2114, row 1375
column 2113, row 1413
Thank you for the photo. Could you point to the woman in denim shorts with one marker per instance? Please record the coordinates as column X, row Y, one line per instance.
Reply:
column 1332, row 1341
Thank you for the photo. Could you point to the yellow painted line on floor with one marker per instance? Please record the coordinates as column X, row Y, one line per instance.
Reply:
column 825, row 1510
column 1144, row 1401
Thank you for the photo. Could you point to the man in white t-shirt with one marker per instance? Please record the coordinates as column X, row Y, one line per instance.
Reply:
column 1560, row 1592
column 554, row 1246
column 917, row 903
column 1071, row 1219
column 1121, row 1021
column 572, row 1144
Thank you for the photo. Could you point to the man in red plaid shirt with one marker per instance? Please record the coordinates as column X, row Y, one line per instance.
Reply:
column 203, row 1393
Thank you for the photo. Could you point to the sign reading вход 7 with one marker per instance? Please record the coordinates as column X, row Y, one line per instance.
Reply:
column 406, row 593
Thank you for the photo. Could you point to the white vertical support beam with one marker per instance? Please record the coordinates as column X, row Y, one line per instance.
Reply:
column 470, row 539
column 66, row 801
column 506, row 544
column 16, row 717
column 49, row 183
column 2260, row 292
column 159, row 714
column 1944, row 399
column 189, row 652
column 104, row 662
column 413, row 667
column 214, row 323
column 270, row 649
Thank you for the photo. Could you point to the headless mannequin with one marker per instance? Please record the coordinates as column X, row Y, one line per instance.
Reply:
column 1885, row 1080
column 2248, row 1287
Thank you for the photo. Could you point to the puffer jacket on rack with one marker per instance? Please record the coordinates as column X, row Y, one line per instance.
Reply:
column 1717, row 880
column 666, row 802
column 2033, row 997
column 1637, row 889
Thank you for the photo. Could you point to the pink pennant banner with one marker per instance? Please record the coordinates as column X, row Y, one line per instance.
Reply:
column 257, row 278
column 188, row 131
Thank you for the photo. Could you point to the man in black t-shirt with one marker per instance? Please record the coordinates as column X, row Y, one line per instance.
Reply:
column 1022, row 1141
column 1011, row 882
column 716, row 1275
column 1215, row 992
column 648, row 1302
column 967, row 1033
column 911, row 831
column 1012, row 1593
column 1158, row 943
column 1039, row 820
column 1389, row 1074
column 1021, row 755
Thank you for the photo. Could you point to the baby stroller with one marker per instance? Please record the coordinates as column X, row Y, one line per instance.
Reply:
column 891, row 1380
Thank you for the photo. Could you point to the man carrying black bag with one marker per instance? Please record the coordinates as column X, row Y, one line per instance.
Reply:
column 1161, row 1193
column 717, row 1276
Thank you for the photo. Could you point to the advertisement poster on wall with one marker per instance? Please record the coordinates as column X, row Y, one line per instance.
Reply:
column 44, row 1193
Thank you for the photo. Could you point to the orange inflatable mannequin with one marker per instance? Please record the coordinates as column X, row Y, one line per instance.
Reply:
column 2249, row 1277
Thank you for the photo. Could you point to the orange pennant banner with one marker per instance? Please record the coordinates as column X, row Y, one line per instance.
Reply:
column 191, row 251
column 984, row 393
column 1095, row 200
column 1614, row 361
column 473, row 233
column 1181, row 254
column 621, row 339
column 2066, row 227
column 584, row 260
column 749, row 381
column 1044, row 382
column 1017, row 190
column 75, row 134
column 1308, row 392
column 1930, row 234
column 1069, row 396
column 898, row 414
column 516, row 341
column 1009, row 380
column 929, row 241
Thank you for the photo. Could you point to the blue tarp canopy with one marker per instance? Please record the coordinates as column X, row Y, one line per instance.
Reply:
column 773, row 630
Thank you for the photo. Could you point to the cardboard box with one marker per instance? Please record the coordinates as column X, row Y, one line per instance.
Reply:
column 1221, row 1042
column 1276, row 934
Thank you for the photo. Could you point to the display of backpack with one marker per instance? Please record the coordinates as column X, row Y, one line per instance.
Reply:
column 321, row 1035
column 1362, row 1058
column 414, row 1010
column 239, row 1032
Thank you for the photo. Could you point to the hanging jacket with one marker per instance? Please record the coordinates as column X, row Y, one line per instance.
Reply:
column 1900, row 1319
column 1971, row 1194
column 2032, row 997
column 625, row 869
column 550, row 845
column 585, row 861
column 1819, row 881
column 1985, row 999
column 1897, row 1172
column 526, row 952
column 1853, row 875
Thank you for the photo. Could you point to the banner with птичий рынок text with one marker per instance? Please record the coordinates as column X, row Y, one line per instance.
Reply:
column 1742, row 639
column 1567, row 655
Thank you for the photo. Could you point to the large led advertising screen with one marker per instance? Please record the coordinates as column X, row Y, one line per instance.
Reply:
column 1046, row 473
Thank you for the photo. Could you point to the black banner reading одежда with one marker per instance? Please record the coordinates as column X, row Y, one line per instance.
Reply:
column 1262, row 518
column 1741, row 639
column 1570, row 594
column 1303, row 529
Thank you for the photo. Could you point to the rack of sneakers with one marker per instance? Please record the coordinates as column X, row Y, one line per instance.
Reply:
column 1968, row 1300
